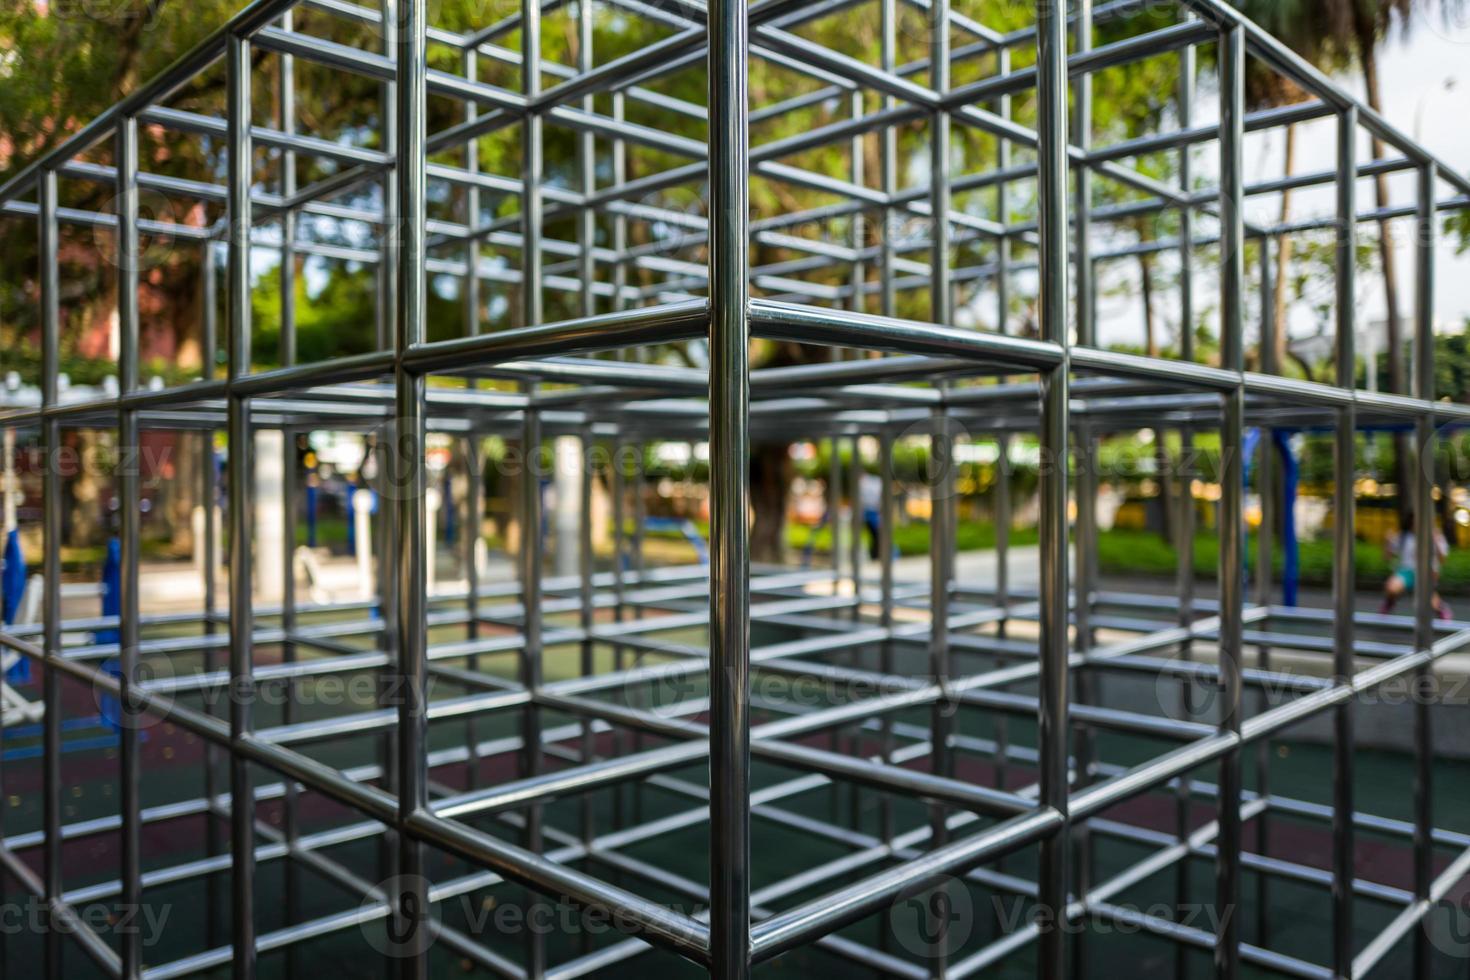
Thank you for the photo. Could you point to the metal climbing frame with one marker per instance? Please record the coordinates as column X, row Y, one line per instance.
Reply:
column 954, row 650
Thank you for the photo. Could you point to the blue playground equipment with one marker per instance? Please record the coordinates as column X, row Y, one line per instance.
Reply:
column 685, row 527
column 311, row 493
column 351, row 520
column 111, row 606
column 12, row 587
column 1290, row 476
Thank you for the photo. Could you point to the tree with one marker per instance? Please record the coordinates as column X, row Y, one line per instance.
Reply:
column 1304, row 26
column 1329, row 34
column 66, row 62
column 1369, row 22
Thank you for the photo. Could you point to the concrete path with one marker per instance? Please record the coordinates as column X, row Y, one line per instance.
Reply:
column 972, row 568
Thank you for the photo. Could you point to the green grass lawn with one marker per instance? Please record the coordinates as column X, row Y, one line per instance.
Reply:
column 1148, row 553
column 911, row 539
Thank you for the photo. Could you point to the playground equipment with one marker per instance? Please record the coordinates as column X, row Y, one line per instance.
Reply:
column 968, row 733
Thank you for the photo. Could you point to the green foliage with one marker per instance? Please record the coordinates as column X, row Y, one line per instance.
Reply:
column 1143, row 552
column 913, row 538
column 1452, row 365
column 1458, row 226
column 62, row 69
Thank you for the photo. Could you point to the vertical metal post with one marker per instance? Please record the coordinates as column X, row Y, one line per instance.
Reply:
column 587, row 164
column 859, row 275
column 941, row 575
column 286, row 120
column 384, row 530
column 1184, row 545
column 47, row 246
column 585, row 612
column 407, row 478
column 530, row 575
column 855, row 525
column 387, row 280
column 531, row 542
column 286, row 109
column 1086, row 315
column 471, row 280
column 729, row 426
column 885, row 609
column 1232, row 537
column 834, row 507
column 474, row 513
column 1425, row 238
column 1188, row 66
column 622, row 451
column 1344, row 579
column 531, row 166
column 290, row 825
column 1266, row 490
column 1052, row 729
column 125, row 159
column 1003, row 440
column 1002, row 205
column 620, row 220
column 941, row 294
column 640, row 519
column 209, row 499
column 210, row 301
column 941, row 444
column 888, row 254
column 1085, row 456
column 242, row 620
column 942, row 711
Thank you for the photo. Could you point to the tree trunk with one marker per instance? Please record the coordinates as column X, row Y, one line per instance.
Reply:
column 769, row 463
column 1165, row 498
column 1283, row 254
column 1368, row 56
column 1386, row 253
column 1146, row 289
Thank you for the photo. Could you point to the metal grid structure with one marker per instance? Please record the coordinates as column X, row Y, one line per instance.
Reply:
column 1041, row 656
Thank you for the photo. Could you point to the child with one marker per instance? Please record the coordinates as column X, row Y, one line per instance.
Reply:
column 1403, row 552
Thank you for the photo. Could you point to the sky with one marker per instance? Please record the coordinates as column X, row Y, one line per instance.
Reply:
column 1424, row 74
column 1425, row 77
